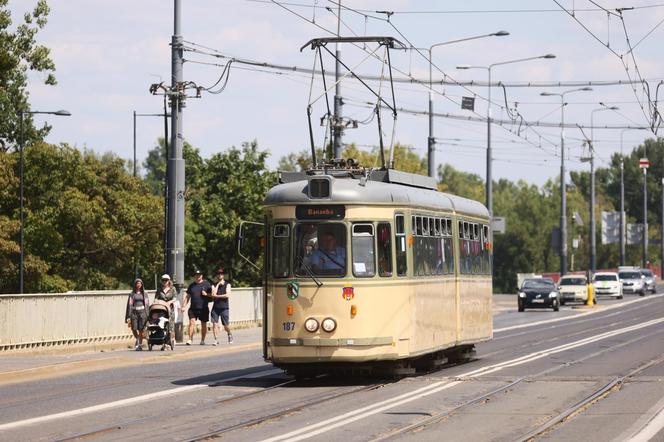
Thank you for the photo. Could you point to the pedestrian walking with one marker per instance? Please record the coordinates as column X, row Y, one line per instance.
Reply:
column 136, row 314
column 197, row 299
column 220, row 308
column 168, row 294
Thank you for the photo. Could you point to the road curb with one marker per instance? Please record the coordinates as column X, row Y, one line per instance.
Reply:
column 50, row 371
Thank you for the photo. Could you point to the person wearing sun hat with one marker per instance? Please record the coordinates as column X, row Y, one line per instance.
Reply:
column 166, row 292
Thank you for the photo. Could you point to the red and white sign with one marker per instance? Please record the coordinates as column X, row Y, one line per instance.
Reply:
column 644, row 163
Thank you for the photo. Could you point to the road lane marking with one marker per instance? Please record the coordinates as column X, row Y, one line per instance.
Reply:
column 377, row 407
column 652, row 427
column 126, row 402
column 580, row 315
column 352, row 416
column 564, row 347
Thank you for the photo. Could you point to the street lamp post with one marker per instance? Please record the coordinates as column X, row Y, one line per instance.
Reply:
column 431, row 142
column 593, row 246
column 622, row 201
column 489, row 183
column 22, row 114
column 645, row 211
column 563, row 189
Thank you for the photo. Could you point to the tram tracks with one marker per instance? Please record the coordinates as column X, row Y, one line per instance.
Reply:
column 590, row 398
column 219, row 432
column 612, row 386
column 248, row 423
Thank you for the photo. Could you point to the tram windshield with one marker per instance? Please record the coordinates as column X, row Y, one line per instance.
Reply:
column 320, row 249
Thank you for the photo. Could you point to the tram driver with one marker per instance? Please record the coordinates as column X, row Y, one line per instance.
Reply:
column 329, row 256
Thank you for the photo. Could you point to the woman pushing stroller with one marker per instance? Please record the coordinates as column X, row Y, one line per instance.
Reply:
column 137, row 312
column 168, row 294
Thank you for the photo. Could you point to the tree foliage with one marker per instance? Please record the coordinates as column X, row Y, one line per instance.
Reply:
column 221, row 191
column 87, row 222
column 19, row 54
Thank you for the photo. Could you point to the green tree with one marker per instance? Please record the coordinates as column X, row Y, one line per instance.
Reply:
column 87, row 221
column 235, row 184
column 20, row 54
column 467, row 185
column 404, row 159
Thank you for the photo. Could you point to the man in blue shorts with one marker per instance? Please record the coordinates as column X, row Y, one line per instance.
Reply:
column 220, row 310
column 197, row 299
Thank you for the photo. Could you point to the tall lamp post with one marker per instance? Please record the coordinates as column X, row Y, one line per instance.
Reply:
column 22, row 115
column 593, row 246
column 431, row 142
column 489, row 159
column 563, row 189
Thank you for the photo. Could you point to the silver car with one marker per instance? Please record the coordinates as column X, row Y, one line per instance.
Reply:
column 649, row 280
column 632, row 282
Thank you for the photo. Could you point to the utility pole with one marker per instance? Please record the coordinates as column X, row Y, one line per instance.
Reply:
column 337, row 91
column 645, row 217
column 176, row 179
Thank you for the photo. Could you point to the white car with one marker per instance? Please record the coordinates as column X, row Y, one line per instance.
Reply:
column 607, row 284
column 573, row 288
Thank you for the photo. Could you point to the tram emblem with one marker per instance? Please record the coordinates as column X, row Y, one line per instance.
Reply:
column 292, row 290
column 348, row 293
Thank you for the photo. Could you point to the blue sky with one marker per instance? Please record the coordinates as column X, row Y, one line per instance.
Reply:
column 108, row 52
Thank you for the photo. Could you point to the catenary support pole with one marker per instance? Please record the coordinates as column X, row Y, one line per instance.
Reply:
column 176, row 179
column 337, row 92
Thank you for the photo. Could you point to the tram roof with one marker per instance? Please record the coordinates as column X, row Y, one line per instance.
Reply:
column 387, row 188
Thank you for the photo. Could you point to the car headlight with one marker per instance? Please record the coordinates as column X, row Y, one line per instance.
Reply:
column 311, row 325
column 553, row 294
column 522, row 295
column 329, row 325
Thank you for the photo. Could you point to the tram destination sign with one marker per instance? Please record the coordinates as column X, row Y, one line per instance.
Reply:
column 320, row 212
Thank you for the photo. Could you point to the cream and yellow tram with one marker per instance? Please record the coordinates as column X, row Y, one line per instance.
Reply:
column 373, row 271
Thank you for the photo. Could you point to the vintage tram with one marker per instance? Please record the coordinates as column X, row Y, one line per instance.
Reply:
column 372, row 270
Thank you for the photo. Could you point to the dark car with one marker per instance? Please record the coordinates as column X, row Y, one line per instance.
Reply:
column 539, row 293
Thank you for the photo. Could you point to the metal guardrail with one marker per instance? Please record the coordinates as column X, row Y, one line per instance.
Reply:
column 55, row 319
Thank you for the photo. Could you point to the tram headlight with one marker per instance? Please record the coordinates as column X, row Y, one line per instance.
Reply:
column 522, row 295
column 329, row 325
column 311, row 325
column 553, row 294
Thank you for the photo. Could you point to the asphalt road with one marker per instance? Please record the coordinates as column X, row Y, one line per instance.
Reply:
column 575, row 375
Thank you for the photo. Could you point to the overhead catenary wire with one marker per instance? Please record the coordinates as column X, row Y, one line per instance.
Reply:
column 414, row 80
column 411, row 80
column 405, row 38
column 462, row 11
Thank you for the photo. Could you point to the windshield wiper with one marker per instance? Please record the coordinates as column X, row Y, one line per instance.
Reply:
column 310, row 273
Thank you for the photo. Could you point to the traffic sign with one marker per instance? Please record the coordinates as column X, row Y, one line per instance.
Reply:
column 468, row 103
column 644, row 163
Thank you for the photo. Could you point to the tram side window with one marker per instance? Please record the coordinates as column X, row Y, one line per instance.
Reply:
column 464, row 248
column 418, row 246
column 384, row 249
column 475, row 248
column 400, row 240
column 280, row 250
column 448, row 247
column 364, row 265
column 486, row 250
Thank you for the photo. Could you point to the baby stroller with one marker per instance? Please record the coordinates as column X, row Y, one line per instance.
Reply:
column 159, row 325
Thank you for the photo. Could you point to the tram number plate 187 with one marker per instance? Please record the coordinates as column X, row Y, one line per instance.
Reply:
column 289, row 326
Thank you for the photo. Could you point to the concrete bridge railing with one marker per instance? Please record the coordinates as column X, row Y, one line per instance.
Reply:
column 52, row 319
